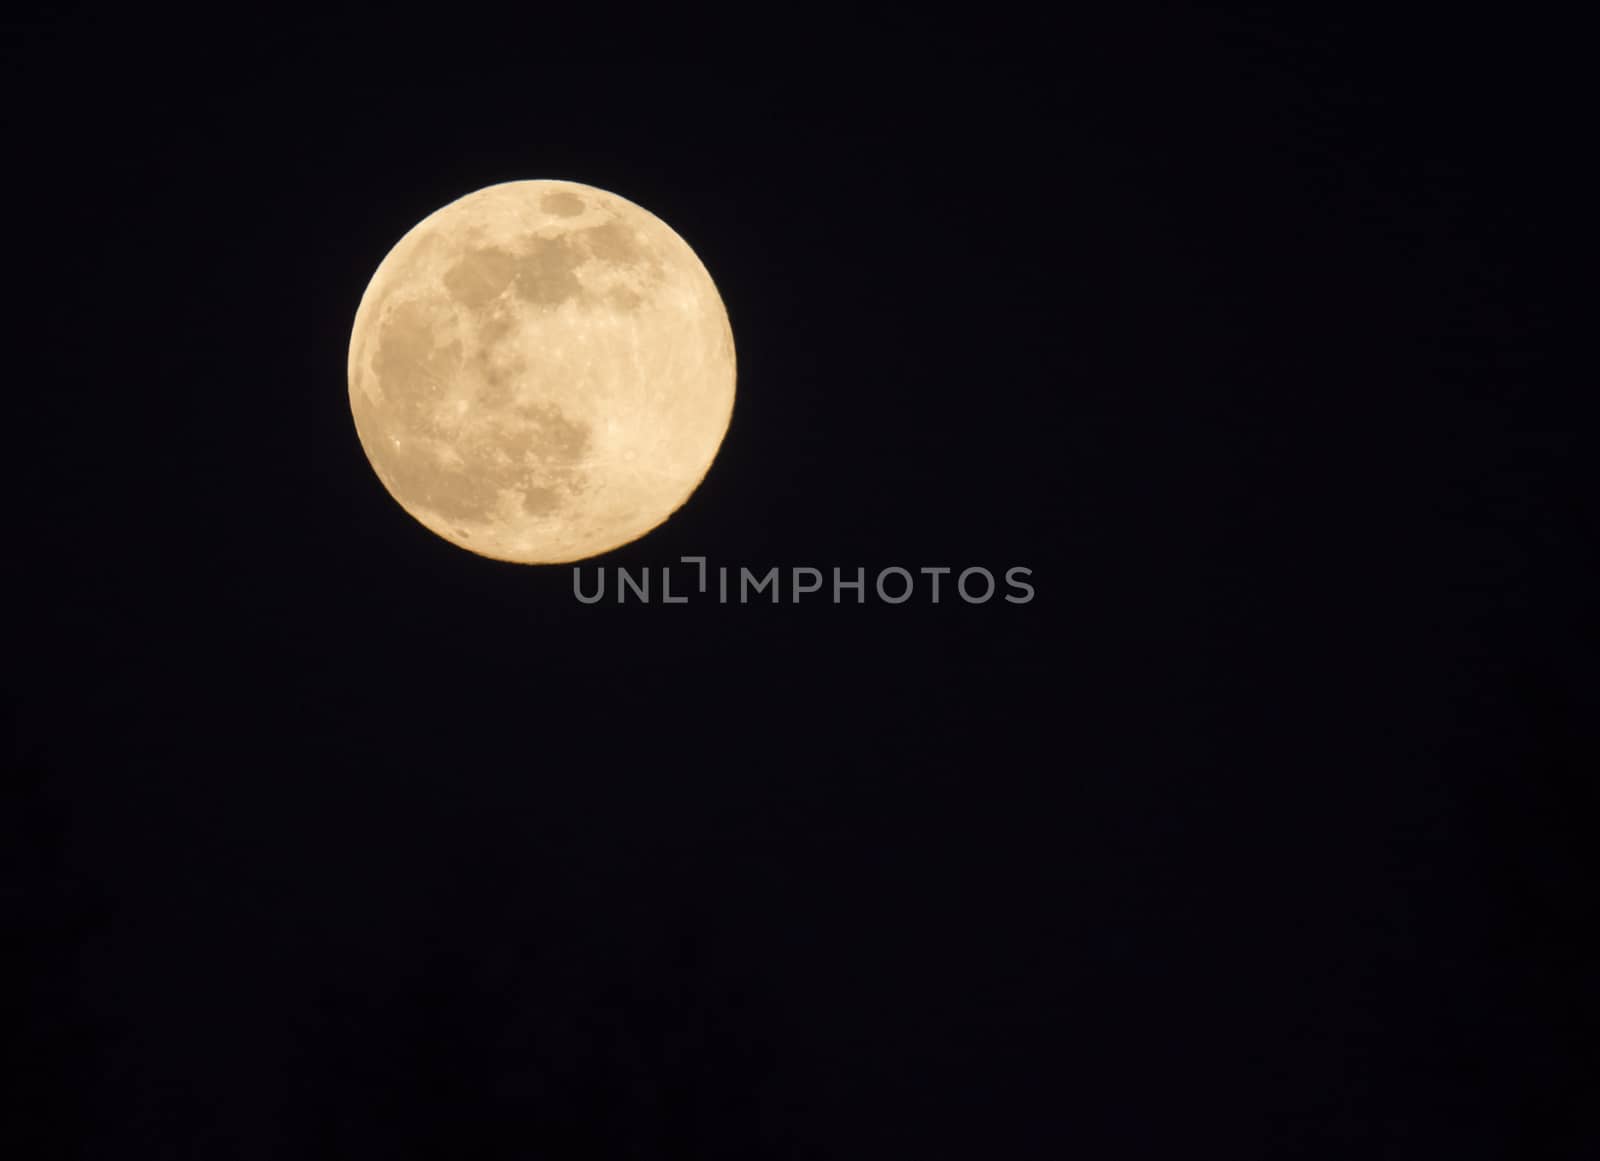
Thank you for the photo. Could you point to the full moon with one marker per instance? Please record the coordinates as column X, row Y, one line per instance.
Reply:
column 541, row 371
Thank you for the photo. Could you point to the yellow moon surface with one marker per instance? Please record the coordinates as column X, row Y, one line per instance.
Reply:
column 541, row 371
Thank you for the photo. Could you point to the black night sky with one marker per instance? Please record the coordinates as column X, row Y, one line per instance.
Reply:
column 1264, row 831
